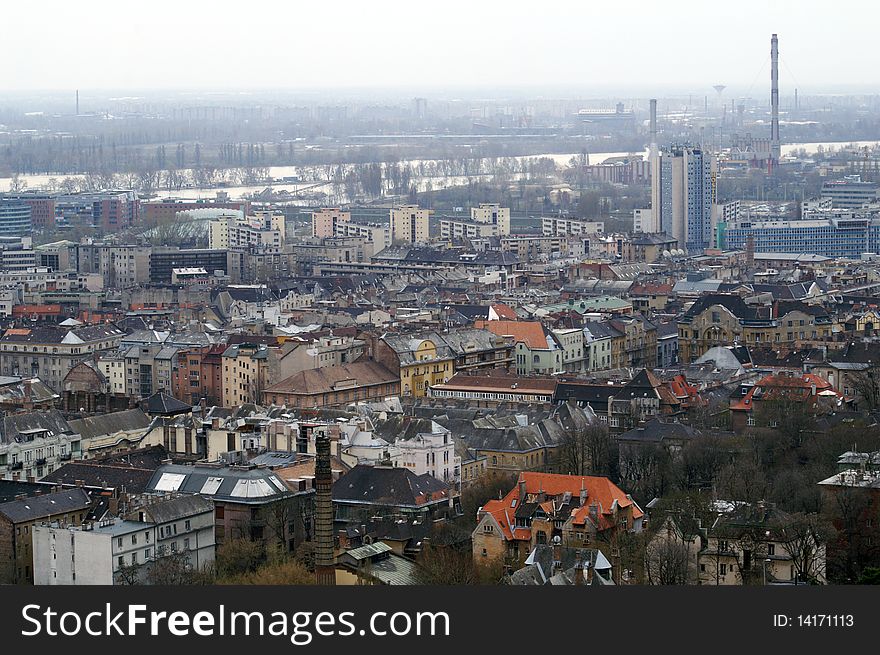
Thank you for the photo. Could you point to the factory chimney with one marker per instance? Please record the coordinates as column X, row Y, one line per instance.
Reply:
column 653, row 124
column 325, row 561
column 775, row 149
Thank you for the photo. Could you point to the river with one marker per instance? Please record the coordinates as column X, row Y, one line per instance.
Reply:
column 281, row 172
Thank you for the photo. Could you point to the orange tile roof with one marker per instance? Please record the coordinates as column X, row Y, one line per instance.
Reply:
column 504, row 311
column 600, row 491
column 529, row 332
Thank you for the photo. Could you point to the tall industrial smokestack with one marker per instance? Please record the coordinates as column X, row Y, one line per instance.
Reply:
column 653, row 122
column 775, row 149
column 325, row 561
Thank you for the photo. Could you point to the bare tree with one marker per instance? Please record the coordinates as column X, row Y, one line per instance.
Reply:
column 803, row 538
column 668, row 557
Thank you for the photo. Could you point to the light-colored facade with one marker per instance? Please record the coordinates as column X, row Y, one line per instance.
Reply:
column 326, row 221
column 245, row 374
column 265, row 231
column 430, row 452
column 683, row 195
column 560, row 227
column 123, row 551
column 50, row 353
column 409, row 224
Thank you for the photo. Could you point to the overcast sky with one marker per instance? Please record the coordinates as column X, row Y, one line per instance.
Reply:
column 103, row 44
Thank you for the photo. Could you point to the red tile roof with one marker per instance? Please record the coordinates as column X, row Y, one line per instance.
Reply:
column 601, row 492
column 529, row 332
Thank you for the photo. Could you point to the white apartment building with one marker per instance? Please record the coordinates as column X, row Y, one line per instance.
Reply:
column 121, row 551
column 430, row 452
column 562, row 227
column 113, row 368
column 263, row 230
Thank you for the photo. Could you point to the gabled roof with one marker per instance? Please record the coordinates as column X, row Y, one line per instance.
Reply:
column 531, row 333
column 389, row 486
column 45, row 506
column 101, row 425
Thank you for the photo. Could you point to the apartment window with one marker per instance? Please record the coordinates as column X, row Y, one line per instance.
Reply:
column 722, row 569
column 771, row 549
column 119, row 542
column 186, row 525
column 134, row 558
column 488, row 528
column 147, row 554
column 121, row 561
column 186, row 544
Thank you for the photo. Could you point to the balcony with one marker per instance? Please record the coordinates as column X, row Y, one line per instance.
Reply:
column 65, row 457
column 16, row 466
column 41, row 461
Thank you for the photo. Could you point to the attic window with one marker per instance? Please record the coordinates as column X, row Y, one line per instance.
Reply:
column 513, row 502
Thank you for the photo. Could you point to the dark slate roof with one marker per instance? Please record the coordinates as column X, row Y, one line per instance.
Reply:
column 51, row 420
column 259, row 485
column 105, row 424
column 172, row 509
column 389, row 486
column 856, row 353
column 9, row 489
column 657, row 431
column 130, row 478
column 734, row 304
column 38, row 507
column 164, row 405
column 786, row 306
column 593, row 393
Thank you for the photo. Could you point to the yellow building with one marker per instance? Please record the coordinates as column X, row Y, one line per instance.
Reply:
column 409, row 224
column 422, row 362
column 245, row 373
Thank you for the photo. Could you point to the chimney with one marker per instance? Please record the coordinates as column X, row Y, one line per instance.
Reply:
column 557, row 555
column 583, row 496
column 325, row 560
column 594, row 512
column 579, row 570
column 31, row 478
column 522, row 489
column 775, row 148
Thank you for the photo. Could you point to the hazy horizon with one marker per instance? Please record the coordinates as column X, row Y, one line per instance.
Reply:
column 679, row 48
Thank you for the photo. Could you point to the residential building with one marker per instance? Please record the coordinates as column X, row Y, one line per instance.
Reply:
column 333, row 386
column 542, row 506
column 18, row 519
column 537, row 349
column 245, row 373
column 409, row 224
column 683, row 195
column 324, row 221
column 367, row 491
column 50, row 352
column 127, row 551
column 249, row 502
column 751, row 544
column 198, row 374
column 718, row 319
column 42, row 207
column 562, row 227
column 34, row 444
